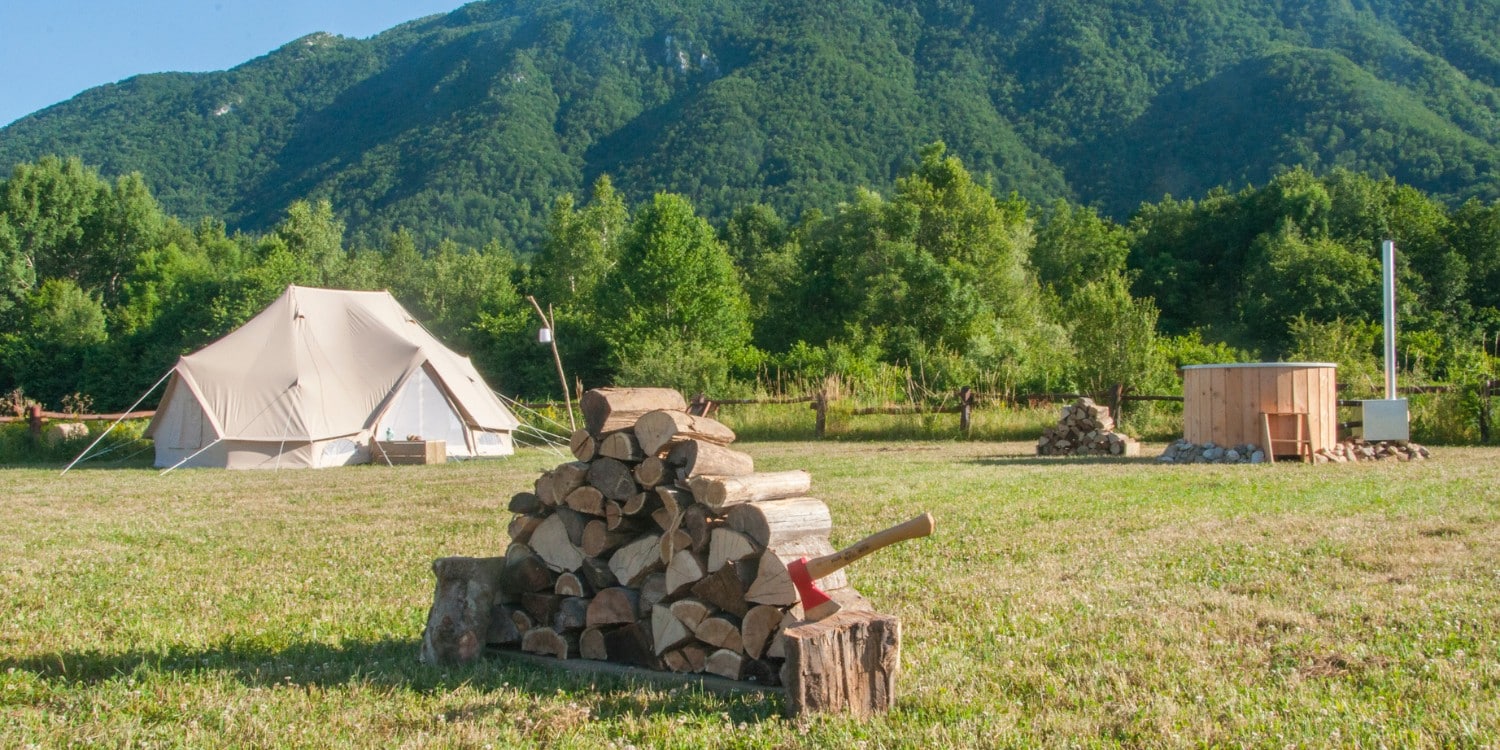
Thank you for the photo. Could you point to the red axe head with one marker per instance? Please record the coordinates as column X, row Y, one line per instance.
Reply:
column 816, row 605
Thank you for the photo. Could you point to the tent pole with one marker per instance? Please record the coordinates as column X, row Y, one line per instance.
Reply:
column 117, row 422
column 557, row 358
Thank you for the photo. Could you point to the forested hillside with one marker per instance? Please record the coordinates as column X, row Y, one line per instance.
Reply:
column 465, row 127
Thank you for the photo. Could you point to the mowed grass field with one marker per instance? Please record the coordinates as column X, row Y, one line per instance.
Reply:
column 1062, row 602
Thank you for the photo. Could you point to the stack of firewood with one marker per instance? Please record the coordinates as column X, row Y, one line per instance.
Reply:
column 660, row 547
column 1086, row 429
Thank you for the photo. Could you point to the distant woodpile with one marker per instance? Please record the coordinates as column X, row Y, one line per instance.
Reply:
column 1086, row 429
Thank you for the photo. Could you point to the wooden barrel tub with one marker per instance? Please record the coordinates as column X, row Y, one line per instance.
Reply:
column 1234, row 404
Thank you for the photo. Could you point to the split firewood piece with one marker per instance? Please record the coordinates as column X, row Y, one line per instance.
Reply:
column 631, row 644
column 697, row 657
column 572, row 614
column 658, row 429
column 598, row 540
column 667, row 632
column 613, row 478
column 668, row 546
column 696, row 458
column 775, row 521
column 502, row 630
column 522, row 527
column 591, row 645
column 633, row 562
column 587, row 500
column 621, row 446
column 760, row 625
column 653, row 592
column 699, row 522
column 641, row 503
column 691, row 612
column 545, row 640
column 541, row 607
column 718, row 493
column 652, row 471
column 614, row 515
column 525, row 571
column 463, row 601
column 721, row 630
column 725, row 663
column 550, row 540
column 616, row 606
column 585, row 448
column 727, row 545
column 522, row 620
column 555, row 485
column 725, row 588
column 676, row 661
column 674, row 500
column 687, row 568
column 572, row 584
column 611, row 409
column 774, row 585
column 525, row 503
column 596, row 572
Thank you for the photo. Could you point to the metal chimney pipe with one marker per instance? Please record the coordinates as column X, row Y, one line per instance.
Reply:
column 1388, row 268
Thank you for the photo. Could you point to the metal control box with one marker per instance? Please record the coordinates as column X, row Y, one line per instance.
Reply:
column 1386, row 419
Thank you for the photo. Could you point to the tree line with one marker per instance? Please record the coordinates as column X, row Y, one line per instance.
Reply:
column 101, row 290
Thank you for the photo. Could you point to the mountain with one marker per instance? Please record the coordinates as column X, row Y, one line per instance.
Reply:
column 468, row 125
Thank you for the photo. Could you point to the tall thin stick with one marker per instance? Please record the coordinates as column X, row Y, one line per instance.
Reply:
column 117, row 422
column 562, row 380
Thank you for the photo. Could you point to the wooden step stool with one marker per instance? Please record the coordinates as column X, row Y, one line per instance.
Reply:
column 1300, row 442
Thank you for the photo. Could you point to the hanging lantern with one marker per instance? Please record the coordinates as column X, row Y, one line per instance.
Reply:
column 544, row 335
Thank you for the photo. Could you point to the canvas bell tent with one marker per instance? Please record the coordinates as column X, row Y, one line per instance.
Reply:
column 312, row 379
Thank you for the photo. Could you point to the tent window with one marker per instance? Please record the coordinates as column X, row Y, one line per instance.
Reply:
column 338, row 452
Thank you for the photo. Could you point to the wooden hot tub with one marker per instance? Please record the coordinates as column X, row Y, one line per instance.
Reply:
column 1234, row 404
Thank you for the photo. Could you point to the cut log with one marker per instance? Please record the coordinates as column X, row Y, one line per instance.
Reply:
column 773, row 584
column 587, row 500
column 776, row 521
column 728, row 545
column 641, row 503
column 583, row 445
column 502, row 631
column 598, row 540
column 651, row 471
column 653, row 592
column 550, row 540
column 541, row 607
column 631, row 644
column 697, row 458
column 676, row 661
column 687, row 568
column 613, row 478
column 591, row 645
column 522, row 527
column 572, row 614
column 720, row 630
column 574, row 522
column 614, row 515
column 621, row 446
column 524, row 503
column 616, row 606
column 544, row 640
column 596, row 571
column 846, row 663
column 555, row 485
column 674, row 500
column 673, row 542
column 699, row 522
column 725, row 663
column 667, row 632
column 633, row 562
column 719, row 493
column 690, row 612
column 572, row 584
column 760, row 625
column 525, row 571
column 665, row 519
column 658, row 429
column 522, row 620
column 725, row 588
column 696, row 655
column 668, row 545
column 458, row 623
column 611, row 409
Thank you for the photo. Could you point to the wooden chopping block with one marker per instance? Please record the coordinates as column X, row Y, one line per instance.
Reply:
column 845, row 663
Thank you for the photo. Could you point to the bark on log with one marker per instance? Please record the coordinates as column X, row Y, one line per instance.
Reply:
column 616, row 606
column 720, row 630
column 525, row 571
column 545, row 640
column 611, row 409
column 727, row 545
column 656, row 430
column 718, row 493
column 686, row 569
column 596, row 571
column 522, row 527
column 574, row 522
column 725, row 663
column 652, row 471
column 760, row 625
column 550, row 540
column 502, row 631
column 696, row 458
column 583, row 445
column 725, row 589
column 653, row 592
column 613, row 478
column 631, row 644
column 699, row 522
column 621, row 446
column 541, row 607
column 636, row 560
column 776, row 521
column 586, row 500
column 524, row 503
column 846, row 663
column 572, row 614
column 667, row 632
column 458, row 623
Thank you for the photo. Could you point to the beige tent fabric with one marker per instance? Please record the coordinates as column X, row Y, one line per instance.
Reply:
column 317, row 365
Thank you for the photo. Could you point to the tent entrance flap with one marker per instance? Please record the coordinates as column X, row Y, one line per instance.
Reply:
column 421, row 409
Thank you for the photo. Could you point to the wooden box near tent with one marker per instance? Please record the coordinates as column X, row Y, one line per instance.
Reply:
column 410, row 452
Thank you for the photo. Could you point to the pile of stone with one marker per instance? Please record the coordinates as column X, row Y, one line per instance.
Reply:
column 1086, row 429
column 1187, row 452
column 1356, row 449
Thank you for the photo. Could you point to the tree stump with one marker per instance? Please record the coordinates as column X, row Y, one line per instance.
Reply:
column 459, row 622
column 846, row 663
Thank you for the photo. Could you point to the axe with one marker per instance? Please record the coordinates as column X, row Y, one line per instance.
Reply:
column 815, row 604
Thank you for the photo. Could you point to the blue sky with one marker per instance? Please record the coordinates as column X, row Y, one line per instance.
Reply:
column 51, row 50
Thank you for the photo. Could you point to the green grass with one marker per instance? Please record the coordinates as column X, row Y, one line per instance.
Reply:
column 1062, row 602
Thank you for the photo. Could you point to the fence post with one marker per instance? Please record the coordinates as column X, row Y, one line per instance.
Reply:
column 965, row 409
column 34, row 421
column 1116, row 396
column 820, row 407
column 1484, row 411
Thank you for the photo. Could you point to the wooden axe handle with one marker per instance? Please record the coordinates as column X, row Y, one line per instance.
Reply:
column 917, row 527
